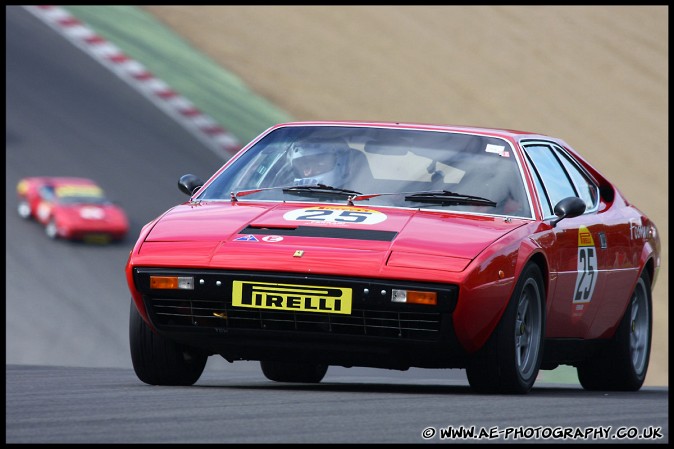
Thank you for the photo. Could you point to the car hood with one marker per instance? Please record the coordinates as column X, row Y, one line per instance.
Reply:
column 91, row 212
column 317, row 237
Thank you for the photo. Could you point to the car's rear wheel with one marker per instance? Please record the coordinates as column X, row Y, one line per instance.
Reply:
column 510, row 360
column 622, row 365
column 160, row 361
column 293, row 372
column 23, row 209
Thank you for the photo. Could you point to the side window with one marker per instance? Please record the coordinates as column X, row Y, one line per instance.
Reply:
column 586, row 188
column 47, row 193
column 556, row 182
column 546, row 207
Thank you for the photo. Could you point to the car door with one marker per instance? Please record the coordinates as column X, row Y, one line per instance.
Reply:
column 575, row 246
column 46, row 203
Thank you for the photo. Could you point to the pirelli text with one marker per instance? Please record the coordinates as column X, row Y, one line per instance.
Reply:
column 593, row 433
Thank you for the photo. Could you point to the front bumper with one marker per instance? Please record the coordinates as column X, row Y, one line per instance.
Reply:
column 375, row 333
column 94, row 233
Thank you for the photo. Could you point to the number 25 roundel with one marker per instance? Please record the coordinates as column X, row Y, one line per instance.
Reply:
column 336, row 214
column 587, row 267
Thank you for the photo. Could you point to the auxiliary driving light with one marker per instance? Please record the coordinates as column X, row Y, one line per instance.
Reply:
column 414, row 297
column 172, row 282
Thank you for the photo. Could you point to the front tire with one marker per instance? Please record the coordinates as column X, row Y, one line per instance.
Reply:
column 622, row 366
column 510, row 360
column 51, row 229
column 160, row 361
column 311, row 373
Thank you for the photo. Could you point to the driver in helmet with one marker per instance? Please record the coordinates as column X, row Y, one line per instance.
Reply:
column 319, row 161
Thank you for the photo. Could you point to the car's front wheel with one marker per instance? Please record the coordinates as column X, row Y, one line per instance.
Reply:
column 622, row 365
column 510, row 360
column 160, row 361
column 51, row 229
column 293, row 372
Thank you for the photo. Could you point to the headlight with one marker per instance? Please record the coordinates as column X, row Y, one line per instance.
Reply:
column 172, row 282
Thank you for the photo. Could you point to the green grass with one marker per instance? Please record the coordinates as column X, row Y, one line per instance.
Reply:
column 563, row 374
column 215, row 91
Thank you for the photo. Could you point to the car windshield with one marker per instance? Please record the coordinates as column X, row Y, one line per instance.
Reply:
column 80, row 194
column 379, row 166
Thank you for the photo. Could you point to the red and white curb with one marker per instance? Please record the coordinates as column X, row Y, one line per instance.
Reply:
column 203, row 127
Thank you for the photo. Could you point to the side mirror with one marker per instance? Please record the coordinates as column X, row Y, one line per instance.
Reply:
column 189, row 184
column 569, row 207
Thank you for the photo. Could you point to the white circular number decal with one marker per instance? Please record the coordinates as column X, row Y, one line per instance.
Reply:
column 272, row 238
column 92, row 213
column 322, row 214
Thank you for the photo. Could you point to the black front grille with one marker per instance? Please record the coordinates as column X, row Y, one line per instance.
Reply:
column 200, row 313
column 209, row 306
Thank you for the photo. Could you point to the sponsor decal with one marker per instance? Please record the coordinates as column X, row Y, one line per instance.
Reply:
column 272, row 238
column 497, row 149
column 246, row 238
column 336, row 215
column 302, row 298
column 584, row 237
column 587, row 267
column 638, row 232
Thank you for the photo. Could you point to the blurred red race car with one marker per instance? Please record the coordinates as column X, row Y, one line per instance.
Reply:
column 71, row 208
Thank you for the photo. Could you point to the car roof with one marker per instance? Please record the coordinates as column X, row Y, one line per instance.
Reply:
column 511, row 134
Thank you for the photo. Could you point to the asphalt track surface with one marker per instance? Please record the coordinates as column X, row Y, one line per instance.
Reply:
column 68, row 370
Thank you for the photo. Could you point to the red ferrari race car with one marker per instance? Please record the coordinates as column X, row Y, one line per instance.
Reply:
column 71, row 208
column 393, row 245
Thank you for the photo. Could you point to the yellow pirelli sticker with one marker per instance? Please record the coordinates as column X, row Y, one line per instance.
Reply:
column 584, row 237
column 301, row 298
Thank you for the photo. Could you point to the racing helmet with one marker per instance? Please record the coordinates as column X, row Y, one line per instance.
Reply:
column 319, row 161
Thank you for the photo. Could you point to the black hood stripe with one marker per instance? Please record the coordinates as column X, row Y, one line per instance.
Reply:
column 323, row 231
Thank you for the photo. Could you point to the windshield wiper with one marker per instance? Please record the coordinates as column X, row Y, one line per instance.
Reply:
column 234, row 196
column 442, row 197
column 447, row 198
column 319, row 190
column 307, row 190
